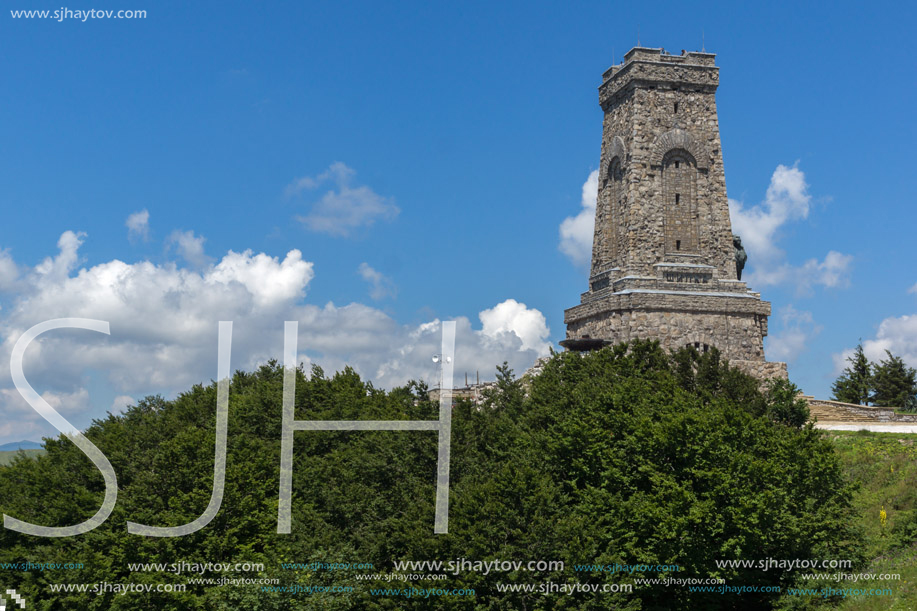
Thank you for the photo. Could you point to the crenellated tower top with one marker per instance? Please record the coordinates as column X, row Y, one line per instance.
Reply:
column 663, row 256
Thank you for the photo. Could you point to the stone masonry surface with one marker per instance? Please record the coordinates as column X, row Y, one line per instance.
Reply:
column 663, row 261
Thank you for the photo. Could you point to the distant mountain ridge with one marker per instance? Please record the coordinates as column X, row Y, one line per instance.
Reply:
column 20, row 445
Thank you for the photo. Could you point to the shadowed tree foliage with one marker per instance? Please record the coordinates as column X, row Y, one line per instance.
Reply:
column 626, row 455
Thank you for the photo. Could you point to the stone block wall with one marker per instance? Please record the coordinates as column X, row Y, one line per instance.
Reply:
column 763, row 370
column 663, row 262
column 653, row 104
column 738, row 337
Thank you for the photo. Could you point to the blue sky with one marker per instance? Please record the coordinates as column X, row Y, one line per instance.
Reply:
column 412, row 163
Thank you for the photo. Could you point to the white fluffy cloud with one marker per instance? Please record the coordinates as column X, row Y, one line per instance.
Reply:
column 263, row 278
column 787, row 200
column 9, row 272
column 138, row 226
column 896, row 334
column 64, row 402
column 189, row 246
column 576, row 232
column 831, row 272
column 344, row 207
column 380, row 286
column 164, row 317
column 56, row 269
column 798, row 330
column 514, row 318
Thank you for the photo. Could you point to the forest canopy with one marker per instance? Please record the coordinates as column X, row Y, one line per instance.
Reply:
column 626, row 455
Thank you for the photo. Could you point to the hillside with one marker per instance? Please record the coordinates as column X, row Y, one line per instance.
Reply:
column 885, row 467
column 625, row 456
column 20, row 445
column 6, row 457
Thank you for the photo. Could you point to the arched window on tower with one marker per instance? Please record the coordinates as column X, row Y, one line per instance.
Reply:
column 679, row 193
column 613, row 228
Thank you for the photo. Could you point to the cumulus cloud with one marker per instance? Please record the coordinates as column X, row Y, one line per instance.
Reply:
column 53, row 269
column 343, row 208
column 164, row 320
column 798, row 330
column 20, row 430
column 138, row 226
column 831, row 272
column 263, row 278
column 896, row 334
column 576, row 232
column 512, row 317
column 121, row 403
column 380, row 286
column 9, row 272
column 66, row 403
column 337, row 172
column 162, row 317
column 787, row 200
column 189, row 246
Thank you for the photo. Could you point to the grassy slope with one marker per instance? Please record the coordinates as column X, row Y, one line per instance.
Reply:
column 7, row 457
column 885, row 466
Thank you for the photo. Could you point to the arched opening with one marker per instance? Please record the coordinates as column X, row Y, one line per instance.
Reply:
column 679, row 193
column 614, row 225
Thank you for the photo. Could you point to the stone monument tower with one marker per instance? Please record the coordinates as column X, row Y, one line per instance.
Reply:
column 663, row 257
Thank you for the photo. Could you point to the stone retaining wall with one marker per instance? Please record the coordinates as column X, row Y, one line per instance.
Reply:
column 877, row 414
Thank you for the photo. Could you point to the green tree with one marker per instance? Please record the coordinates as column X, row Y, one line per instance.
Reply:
column 854, row 385
column 785, row 405
column 625, row 455
column 894, row 383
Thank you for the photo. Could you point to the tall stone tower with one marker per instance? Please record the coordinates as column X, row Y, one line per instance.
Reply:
column 663, row 258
